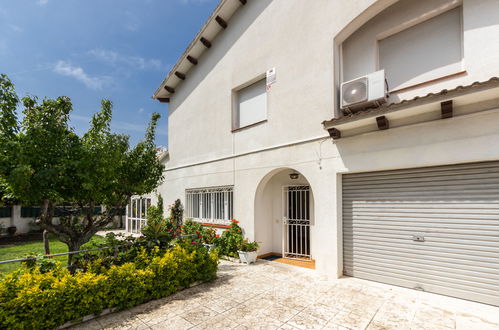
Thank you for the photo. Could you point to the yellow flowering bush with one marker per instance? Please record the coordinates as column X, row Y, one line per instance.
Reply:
column 35, row 300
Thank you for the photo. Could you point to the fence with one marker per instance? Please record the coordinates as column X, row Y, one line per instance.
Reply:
column 75, row 252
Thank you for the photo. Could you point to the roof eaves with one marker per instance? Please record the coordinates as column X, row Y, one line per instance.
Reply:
column 189, row 48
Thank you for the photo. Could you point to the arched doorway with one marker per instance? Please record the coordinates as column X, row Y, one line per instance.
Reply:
column 284, row 215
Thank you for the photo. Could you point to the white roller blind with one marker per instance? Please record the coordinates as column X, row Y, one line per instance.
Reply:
column 252, row 104
column 426, row 51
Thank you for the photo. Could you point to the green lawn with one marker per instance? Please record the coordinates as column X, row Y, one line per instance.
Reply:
column 20, row 250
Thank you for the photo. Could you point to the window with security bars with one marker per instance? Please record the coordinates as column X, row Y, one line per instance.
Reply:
column 210, row 205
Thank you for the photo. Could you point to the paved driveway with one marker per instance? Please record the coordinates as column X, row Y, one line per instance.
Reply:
column 270, row 295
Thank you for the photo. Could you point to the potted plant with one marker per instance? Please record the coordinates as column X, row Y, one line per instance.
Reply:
column 247, row 251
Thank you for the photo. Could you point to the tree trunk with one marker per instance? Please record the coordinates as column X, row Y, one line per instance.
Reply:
column 46, row 241
column 72, row 246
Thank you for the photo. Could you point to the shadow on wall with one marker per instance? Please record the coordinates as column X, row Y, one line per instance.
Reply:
column 238, row 24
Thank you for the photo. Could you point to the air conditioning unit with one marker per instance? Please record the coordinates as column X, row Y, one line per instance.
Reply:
column 364, row 92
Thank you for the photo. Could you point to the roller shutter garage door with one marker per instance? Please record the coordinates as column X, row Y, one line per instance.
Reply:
column 434, row 229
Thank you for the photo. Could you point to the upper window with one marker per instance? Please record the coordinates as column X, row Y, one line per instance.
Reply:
column 251, row 105
column 415, row 42
column 426, row 51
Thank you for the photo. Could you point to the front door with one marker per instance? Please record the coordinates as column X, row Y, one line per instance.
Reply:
column 296, row 222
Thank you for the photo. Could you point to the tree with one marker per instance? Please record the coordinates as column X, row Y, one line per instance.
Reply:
column 44, row 163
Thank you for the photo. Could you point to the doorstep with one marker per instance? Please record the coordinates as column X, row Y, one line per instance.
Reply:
column 310, row 264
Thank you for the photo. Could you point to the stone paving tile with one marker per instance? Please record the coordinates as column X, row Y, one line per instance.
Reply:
column 270, row 295
column 304, row 320
column 198, row 315
column 176, row 323
column 279, row 312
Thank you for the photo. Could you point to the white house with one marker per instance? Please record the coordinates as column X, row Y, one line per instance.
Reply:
column 404, row 192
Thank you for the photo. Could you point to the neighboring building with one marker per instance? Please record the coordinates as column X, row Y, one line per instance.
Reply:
column 24, row 218
column 405, row 192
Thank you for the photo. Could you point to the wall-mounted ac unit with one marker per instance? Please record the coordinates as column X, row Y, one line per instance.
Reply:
column 364, row 92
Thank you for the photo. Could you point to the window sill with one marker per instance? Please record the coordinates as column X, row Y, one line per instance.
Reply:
column 213, row 223
column 248, row 126
column 427, row 82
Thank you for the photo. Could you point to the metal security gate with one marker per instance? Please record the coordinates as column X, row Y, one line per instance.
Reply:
column 296, row 222
column 435, row 229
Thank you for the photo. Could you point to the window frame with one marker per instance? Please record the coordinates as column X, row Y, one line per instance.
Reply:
column 235, row 104
column 223, row 195
column 405, row 27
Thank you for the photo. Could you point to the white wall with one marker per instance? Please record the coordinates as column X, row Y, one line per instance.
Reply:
column 299, row 38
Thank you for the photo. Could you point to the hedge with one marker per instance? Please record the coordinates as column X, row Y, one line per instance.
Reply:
column 35, row 300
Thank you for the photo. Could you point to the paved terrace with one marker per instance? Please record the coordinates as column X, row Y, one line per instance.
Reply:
column 271, row 295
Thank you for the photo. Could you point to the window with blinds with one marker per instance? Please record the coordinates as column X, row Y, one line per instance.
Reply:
column 210, row 205
column 251, row 105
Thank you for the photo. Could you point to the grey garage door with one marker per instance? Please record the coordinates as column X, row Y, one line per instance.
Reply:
column 434, row 228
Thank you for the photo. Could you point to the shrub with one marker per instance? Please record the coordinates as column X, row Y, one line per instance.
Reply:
column 247, row 246
column 177, row 212
column 209, row 235
column 231, row 239
column 194, row 231
column 30, row 299
column 158, row 230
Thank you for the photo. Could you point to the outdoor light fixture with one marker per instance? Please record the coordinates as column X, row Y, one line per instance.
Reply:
column 294, row 176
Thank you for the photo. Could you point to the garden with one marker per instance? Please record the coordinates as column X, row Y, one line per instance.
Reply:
column 169, row 256
column 45, row 164
column 44, row 294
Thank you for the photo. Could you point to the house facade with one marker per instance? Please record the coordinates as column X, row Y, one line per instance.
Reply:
column 403, row 191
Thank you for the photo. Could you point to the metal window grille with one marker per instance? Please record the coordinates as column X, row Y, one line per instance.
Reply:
column 210, row 205
column 136, row 214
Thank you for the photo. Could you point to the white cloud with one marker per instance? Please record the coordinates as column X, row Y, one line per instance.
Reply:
column 135, row 62
column 93, row 82
column 141, row 110
column 42, row 2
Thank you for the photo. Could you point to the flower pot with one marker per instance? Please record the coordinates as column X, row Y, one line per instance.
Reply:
column 11, row 230
column 247, row 257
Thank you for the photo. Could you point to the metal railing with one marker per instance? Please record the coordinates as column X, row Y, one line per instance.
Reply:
column 59, row 254
column 74, row 252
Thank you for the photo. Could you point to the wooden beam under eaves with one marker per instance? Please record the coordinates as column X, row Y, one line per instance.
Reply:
column 334, row 133
column 221, row 22
column 193, row 60
column 180, row 75
column 382, row 122
column 205, row 42
column 170, row 89
column 163, row 99
column 446, row 109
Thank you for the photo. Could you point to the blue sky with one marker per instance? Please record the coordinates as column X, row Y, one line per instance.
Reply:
column 94, row 49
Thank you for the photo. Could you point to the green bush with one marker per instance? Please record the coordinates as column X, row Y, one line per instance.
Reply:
column 30, row 299
column 247, row 246
column 158, row 230
column 231, row 240
column 193, row 231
